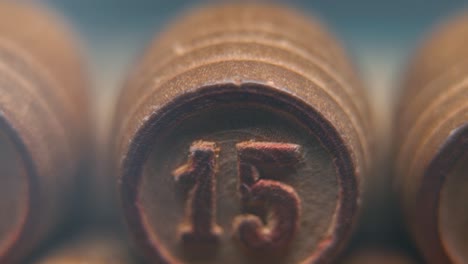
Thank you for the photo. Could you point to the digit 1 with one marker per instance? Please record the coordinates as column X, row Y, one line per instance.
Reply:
column 274, row 207
column 198, row 176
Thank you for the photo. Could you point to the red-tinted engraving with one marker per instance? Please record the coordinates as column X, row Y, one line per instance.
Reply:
column 273, row 208
column 198, row 177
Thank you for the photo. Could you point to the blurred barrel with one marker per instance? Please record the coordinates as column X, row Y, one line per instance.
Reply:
column 43, row 126
column 432, row 136
column 242, row 137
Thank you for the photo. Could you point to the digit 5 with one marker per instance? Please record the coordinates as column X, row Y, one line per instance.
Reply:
column 273, row 207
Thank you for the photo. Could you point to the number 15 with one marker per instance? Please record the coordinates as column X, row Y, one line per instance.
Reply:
column 274, row 207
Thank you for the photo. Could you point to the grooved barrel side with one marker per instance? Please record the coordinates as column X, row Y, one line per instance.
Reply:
column 229, row 77
column 432, row 139
column 43, row 115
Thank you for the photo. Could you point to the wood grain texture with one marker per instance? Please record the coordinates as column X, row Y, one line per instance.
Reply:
column 432, row 138
column 245, row 73
column 43, row 116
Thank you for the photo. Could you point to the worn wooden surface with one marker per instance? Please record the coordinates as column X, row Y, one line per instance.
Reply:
column 432, row 142
column 263, row 103
column 43, row 126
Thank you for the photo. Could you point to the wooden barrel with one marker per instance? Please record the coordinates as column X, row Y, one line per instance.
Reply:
column 432, row 142
column 43, row 126
column 243, row 136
